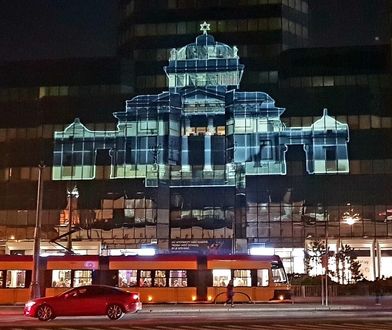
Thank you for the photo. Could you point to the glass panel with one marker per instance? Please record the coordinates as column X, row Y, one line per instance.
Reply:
column 16, row 278
column 242, row 277
column 127, row 278
column 145, row 278
column 160, row 278
column 82, row 277
column 61, row 278
column 178, row 278
column 278, row 274
column 262, row 277
column 221, row 277
column 1, row 278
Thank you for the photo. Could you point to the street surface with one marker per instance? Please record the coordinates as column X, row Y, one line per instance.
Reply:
column 345, row 313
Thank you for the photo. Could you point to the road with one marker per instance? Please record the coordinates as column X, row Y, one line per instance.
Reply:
column 214, row 317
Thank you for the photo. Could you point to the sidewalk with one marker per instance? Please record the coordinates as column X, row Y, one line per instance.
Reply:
column 298, row 304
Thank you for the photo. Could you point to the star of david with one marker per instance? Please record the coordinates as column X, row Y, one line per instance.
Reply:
column 204, row 27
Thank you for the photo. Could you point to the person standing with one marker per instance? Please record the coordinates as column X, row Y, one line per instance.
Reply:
column 230, row 293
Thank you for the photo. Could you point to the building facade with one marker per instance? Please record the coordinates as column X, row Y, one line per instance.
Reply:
column 203, row 167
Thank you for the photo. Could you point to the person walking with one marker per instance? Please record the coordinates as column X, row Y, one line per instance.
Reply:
column 230, row 293
column 378, row 290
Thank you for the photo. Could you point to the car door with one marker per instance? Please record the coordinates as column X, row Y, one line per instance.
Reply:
column 90, row 301
column 97, row 300
column 68, row 304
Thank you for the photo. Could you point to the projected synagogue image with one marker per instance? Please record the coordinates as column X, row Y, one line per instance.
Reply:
column 202, row 131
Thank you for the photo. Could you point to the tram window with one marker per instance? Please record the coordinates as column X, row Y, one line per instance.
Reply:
column 82, row 277
column 242, row 277
column 127, row 278
column 278, row 274
column 145, row 278
column 61, row 278
column 1, row 278
column 262, row 277
column 16, row 279
column 221, row 277
column 178, row 278
column 160, row 278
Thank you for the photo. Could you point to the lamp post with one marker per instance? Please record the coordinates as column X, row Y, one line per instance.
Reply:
column 35, row 290
column 71, row 194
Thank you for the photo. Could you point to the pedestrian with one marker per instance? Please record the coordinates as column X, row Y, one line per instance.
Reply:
column 377, row 290
column 230, row 293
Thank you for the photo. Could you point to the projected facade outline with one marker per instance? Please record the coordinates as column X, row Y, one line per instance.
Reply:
column 202, row 131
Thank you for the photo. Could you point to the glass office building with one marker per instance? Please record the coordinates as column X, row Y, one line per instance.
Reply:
column 207, row 165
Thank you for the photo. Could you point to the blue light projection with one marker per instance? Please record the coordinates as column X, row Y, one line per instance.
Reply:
column 202, row 131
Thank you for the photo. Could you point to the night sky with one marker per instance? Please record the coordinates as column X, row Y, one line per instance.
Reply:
column 38, row 29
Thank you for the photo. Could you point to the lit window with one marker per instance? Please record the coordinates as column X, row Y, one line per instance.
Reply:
column 262, row 277
column 82, row 277
column 221, row 277
column 160, row 278
column 178, row 278
column 16, row 279
column 145, row 278
column 127, row 278
column 278, row 273
column 61, row 278
column 242, row 277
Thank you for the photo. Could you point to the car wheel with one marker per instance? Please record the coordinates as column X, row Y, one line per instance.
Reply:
column 114, row 312
column 45, row 313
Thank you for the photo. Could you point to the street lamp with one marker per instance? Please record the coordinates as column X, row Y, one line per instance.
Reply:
column 35, row 291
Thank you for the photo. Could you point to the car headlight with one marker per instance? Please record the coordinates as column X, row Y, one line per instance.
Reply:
column 30, row 304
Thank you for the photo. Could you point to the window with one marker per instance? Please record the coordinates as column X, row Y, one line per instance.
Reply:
column 278, row 273
column 16, row 279
column 330, row 153
column 61, row 278
column 221, row 277
column 178, row 278
column 82, row 277
column 127, row 278
column 160, row 278
column 242, row 277
column 145, row 278
column 1, row 278
column 262, row 277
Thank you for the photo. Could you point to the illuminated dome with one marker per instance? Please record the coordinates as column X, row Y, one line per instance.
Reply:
column 203, row 63
column 205, row 47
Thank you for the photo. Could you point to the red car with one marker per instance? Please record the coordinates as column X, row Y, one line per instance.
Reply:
column 85, row 300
